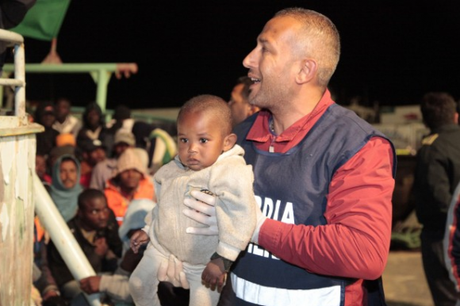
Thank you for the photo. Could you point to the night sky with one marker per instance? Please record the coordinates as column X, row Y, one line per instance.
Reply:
column 392, row 51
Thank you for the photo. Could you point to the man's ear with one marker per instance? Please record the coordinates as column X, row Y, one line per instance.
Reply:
column 229, row 141
column 307, row 71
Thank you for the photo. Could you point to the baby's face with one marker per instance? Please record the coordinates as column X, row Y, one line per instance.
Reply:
column 200, row 140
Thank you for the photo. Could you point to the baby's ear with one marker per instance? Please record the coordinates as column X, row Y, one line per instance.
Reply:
column 229, row 141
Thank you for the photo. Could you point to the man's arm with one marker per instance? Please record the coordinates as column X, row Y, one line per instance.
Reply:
column 46, row 283
column 452, row 239
column 355, row 241
column 437, row 178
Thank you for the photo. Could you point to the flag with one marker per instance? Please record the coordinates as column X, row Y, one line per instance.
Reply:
column 43, row 21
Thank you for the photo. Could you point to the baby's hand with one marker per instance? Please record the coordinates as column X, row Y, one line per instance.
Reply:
column 214, row 275
column 138, row 239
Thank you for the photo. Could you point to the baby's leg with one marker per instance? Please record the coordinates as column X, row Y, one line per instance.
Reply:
column 143, row 283
column 199, row 294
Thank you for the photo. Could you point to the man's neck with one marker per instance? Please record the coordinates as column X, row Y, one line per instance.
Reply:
column 287, row 115
column 127, row 193
column 84, row 227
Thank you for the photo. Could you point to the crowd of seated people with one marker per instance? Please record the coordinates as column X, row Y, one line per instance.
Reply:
column 94, row 173
column 99, row 176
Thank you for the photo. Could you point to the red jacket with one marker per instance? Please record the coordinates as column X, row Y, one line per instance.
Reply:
column 355, row 242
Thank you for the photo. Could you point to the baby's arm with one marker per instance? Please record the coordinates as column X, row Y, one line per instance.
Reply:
column 235, row 206
column 138, row 239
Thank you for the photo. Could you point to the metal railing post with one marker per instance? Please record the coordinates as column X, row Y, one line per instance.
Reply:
column 20, row 74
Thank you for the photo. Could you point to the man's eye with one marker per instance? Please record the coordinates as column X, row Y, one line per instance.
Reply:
column 94, row 212
column 203, row 140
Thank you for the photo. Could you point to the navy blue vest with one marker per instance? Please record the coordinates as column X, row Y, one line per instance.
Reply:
column 292, row 188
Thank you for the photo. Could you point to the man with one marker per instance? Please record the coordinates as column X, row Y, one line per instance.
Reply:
column 65, row 122
column 96, row 231
column 93, row 152
column 322, row 176
column 65, row 187
column 46, row 115
column 239, row 103
column 104, row 170
column 436, row 176
column 93, row 127
column 117, row 285
column 129, row 182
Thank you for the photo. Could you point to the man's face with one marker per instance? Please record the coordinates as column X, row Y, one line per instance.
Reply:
column 93, row 118
column 40, row 166
column 48, row 119
column 62, row 109
column 68, row 173
column 200, row 140
column 239, row 106
column 120, row 147
column 96, row 156
column 94, row 214
column 272, row 64
column 130, row 178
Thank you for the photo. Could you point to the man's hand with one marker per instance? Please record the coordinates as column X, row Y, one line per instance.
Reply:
column 101, row 247
column 90, row 284
column 201, row 210
column 138, row 239
column 50, row 294
column 214, row 275
column 35, row 296
column 172, row 271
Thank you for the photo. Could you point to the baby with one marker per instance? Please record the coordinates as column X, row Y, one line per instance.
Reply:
column 209, row 161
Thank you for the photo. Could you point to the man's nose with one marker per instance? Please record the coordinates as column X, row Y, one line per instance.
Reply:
column 248, row 61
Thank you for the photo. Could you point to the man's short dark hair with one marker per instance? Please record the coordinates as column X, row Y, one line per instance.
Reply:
column 438, row 109
column 89, row 194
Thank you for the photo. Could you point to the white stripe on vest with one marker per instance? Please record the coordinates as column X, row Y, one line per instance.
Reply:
column 270, row 296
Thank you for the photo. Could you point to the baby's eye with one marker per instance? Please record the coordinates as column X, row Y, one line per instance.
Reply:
column 203, row 140
column 184, row 140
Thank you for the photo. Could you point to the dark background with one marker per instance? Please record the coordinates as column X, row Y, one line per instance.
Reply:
column 392, row 51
